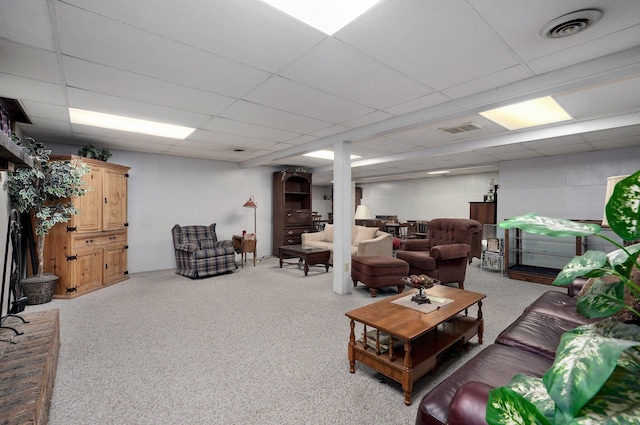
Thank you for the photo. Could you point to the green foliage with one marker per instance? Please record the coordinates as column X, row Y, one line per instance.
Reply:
column 46, row 190
column 95, row 152
column 595, row 377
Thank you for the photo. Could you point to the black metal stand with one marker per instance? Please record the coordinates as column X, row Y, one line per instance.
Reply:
column 14, row 234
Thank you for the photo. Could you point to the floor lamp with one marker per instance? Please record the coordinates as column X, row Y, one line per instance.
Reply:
column 251, row 203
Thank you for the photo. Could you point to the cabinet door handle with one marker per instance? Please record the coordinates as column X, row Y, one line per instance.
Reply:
column 105, row 200
column 290, row 232
column 290, row 241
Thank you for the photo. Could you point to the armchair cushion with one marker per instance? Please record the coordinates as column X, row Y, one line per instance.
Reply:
column 449, row 252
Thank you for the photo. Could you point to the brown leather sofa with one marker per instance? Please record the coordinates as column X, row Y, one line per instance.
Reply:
column 527, row 346
column 444, row 254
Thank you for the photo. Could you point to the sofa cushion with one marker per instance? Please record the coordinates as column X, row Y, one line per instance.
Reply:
column 418, row 259
column 328, row 233
column 536, row 332
column 556, row 303
column 365, row 234
column 495, row 366
column 206, row 244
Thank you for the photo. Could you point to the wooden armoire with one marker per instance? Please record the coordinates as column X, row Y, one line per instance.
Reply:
column 90, row 251
column 292, row 215
column 485, row 213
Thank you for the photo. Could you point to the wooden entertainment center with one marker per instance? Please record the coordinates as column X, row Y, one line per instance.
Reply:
column 90, row 251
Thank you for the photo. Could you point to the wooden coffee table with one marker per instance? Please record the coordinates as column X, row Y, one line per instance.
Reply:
column 425, row 336
column 310, row 255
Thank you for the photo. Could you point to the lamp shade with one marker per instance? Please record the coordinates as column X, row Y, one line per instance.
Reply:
column 611, row 184
column 250, row 203
column 363, row 213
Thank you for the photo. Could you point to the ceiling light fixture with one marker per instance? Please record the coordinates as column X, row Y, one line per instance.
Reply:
column 438, row 172
column 544, row 110
column 571, row 23
column 325, row 155
column 117, row 122
column 327, row 16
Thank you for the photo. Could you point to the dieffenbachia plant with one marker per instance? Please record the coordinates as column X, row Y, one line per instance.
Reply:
column 595, row 378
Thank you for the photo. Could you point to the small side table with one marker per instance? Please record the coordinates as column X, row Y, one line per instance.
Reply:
column 242, row 246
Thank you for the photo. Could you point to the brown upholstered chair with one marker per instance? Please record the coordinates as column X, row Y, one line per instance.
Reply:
column 443, row 255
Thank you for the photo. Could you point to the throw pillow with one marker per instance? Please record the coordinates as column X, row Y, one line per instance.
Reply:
column 365, row 234
column 327, row 235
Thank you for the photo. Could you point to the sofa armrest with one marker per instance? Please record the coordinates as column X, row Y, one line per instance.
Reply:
column 224, row 244
column 187, row 247
column 313, row 236
column 469, row 404
column 451, row 251
column 415, row 244
column 382, row 244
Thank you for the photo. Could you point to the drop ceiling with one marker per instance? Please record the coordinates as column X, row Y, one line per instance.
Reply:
column 262, row 88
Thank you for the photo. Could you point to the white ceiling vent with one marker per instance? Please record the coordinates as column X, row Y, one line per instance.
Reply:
column 463, row 128
column 571, row 23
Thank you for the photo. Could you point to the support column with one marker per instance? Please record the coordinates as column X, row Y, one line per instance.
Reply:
column 342, row 217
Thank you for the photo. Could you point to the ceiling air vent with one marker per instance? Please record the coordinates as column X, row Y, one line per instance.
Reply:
column 462, row 128
column 571, row 23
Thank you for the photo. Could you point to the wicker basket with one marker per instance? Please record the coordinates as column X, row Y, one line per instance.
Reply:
column 39, row 290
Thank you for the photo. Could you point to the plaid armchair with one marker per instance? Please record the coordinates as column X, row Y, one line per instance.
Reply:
column 199, row 253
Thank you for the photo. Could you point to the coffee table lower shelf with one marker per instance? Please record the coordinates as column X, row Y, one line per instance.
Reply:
column 425, row 351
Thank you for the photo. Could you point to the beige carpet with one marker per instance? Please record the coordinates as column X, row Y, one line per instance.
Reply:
column 261, row 345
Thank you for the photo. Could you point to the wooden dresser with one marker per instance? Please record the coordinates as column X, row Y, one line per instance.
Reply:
column 90, row 251
column 292, row 214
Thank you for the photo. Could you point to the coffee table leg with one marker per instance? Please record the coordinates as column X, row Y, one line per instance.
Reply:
column 407, row 384
column 306, row 267
column 280, row 261
column 352, row 342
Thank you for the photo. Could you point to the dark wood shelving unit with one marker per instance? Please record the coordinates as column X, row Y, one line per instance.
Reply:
column 292, row 215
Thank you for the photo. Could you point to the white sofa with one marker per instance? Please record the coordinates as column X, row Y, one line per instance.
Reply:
column 365, row 241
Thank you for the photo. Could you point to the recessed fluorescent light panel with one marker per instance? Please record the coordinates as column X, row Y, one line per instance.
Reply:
column 327, row 16
column 544, row 110
column 117, row 122
column 325, row 155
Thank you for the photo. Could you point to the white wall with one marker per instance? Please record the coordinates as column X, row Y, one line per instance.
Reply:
column 427, row 198
column 321, row 200
column 568, row 186
column 167, row 190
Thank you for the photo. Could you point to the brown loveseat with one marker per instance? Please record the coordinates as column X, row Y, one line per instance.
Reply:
column 444, row 254
column 527, row 346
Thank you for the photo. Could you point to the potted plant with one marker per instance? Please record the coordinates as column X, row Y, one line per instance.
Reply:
column 595, row 377
column 95, row 152
column 44, row 191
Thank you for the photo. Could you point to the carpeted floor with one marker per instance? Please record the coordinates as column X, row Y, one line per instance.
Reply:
column 261, row 345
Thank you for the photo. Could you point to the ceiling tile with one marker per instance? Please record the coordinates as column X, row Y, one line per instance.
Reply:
column 413, row 36
column 99, row 78
column 29, row 62
column 270, row 117
column 232, row 29
column 98, row 102
column 290, row 96
column 124, row 47
column 32, row 15
column 601, row 100
column 28, row 89
column 334, row 67
column 223, row 125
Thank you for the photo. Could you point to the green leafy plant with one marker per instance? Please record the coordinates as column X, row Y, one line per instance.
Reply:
column 95, row 152
column 45, row 191
column 595, row 377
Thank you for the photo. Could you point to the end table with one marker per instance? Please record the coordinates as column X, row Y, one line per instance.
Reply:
column 242, row 246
